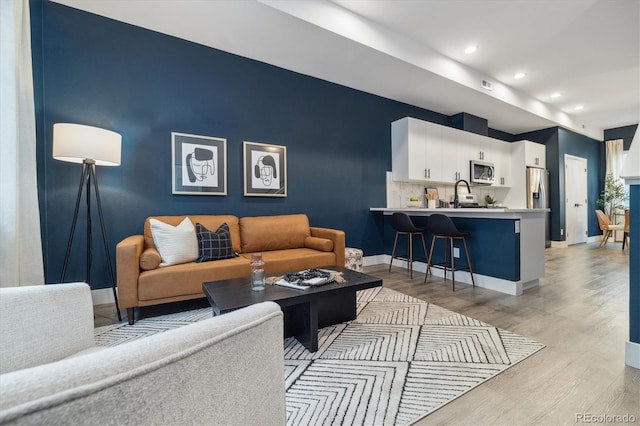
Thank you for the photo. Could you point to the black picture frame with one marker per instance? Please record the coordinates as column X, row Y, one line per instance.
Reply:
column 199, row 164
column 265, row 170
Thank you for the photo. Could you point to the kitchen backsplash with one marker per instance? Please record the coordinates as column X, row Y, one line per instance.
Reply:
column 399, row 193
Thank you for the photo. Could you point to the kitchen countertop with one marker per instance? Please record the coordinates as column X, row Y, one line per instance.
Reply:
column 480, row 212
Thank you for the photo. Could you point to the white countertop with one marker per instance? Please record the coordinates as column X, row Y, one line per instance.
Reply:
column 496, row 213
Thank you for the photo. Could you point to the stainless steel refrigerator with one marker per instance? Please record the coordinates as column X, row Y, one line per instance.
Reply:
column 538, row 196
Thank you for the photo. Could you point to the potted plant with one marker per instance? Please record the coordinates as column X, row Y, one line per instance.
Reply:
column 612, row 196
column 489, row 200
column 414, row 202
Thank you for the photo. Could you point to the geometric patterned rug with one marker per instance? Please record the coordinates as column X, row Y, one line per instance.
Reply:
column 399, row 360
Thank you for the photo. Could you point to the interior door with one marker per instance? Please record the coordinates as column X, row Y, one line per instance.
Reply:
column 575, row 190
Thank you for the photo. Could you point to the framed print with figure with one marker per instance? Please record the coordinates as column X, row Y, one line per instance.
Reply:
column 199, row 164
column 265, row 170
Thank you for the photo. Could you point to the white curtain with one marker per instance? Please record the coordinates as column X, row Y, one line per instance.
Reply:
column 20, row 243
column 614, row 157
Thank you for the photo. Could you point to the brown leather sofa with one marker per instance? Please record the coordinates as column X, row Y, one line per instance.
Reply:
column 287, row 243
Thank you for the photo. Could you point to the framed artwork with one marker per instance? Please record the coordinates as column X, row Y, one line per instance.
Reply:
column 265, row 170
column 199, row 164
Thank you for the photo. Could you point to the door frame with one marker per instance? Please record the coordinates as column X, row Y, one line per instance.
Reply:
column 567, row 208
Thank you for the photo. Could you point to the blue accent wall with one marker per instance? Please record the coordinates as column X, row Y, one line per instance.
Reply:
column 96, row 71
column 470, row 123
column 577, row 145
column 558, row 142
column 634, row 264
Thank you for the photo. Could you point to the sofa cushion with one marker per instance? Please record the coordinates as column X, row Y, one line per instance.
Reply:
column 180, row 281
column 150, row 259
column 176, row 244
column 321, row 244
column 209, row 221
column 214, row 245
column 280, row 261
column 266, row 233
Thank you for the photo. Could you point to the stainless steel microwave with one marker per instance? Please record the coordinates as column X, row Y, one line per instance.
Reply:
column 481, row 172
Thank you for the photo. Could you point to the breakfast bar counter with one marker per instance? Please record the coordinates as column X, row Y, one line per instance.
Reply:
column 506, row 245
column 480, row 212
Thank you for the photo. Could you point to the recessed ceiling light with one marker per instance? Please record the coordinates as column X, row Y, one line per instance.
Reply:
column 470, row 49
column 555, row 95
column 579, row 107
column 519, row 75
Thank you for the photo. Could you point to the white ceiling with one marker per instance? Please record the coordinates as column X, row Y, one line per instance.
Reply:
column 412, row 51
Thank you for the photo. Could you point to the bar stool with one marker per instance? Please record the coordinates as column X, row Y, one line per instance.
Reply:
column 403, row 224
column 442, row 226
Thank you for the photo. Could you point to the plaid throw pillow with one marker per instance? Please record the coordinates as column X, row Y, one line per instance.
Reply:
column 214, row 245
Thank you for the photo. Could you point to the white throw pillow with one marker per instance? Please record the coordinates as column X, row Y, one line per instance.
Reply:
column 176, row 244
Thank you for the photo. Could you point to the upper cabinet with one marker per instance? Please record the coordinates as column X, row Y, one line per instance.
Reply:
column 523, row 154
column 535, row 154
column 417, row 150
column 425, row 151
column 409, row 149
column 503, row 165
column 435, row 152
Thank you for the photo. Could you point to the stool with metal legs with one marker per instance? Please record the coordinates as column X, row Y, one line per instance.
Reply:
column 442, row 226
column 403, row 224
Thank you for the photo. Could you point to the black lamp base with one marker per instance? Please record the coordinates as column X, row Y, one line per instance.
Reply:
column 88, row 174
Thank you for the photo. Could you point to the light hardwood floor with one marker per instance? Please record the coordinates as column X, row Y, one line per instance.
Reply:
column 580, row 312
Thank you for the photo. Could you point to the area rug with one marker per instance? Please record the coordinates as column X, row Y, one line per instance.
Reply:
column 399, row 360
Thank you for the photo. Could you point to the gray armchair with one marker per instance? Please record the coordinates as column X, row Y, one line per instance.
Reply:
column 227, row 369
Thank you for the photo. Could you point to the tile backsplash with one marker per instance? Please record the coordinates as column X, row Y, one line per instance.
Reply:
column 398, row 193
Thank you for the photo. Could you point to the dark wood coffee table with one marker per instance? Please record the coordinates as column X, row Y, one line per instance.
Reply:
column 304, row 310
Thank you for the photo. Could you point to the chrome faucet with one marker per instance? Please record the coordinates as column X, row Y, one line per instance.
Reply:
column 456, row 201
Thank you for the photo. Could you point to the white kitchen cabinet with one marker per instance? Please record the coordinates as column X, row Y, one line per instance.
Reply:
column 408, row 149
column 521, row 158
column 482, row 147
column 535, row 154
column 434, row 161
column 429, row 152
column 417, row 149
column 502, row 162
column 462, row 151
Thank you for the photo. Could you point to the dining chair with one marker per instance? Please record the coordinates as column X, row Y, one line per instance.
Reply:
column 606, row 227
column 625, row 237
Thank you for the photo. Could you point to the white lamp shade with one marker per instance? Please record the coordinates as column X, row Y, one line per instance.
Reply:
column 76, row 143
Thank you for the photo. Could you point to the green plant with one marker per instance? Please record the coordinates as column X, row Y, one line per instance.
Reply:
column 612, row 196
column 489, row 199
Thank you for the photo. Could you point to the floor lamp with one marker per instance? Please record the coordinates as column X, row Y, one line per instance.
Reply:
column 92, row 147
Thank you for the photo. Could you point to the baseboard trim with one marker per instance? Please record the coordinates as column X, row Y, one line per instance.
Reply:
column 484, row 281
column 373, row 260
column 632, row 354
column 102, row 296
column 563, row 244
column 559, row 244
